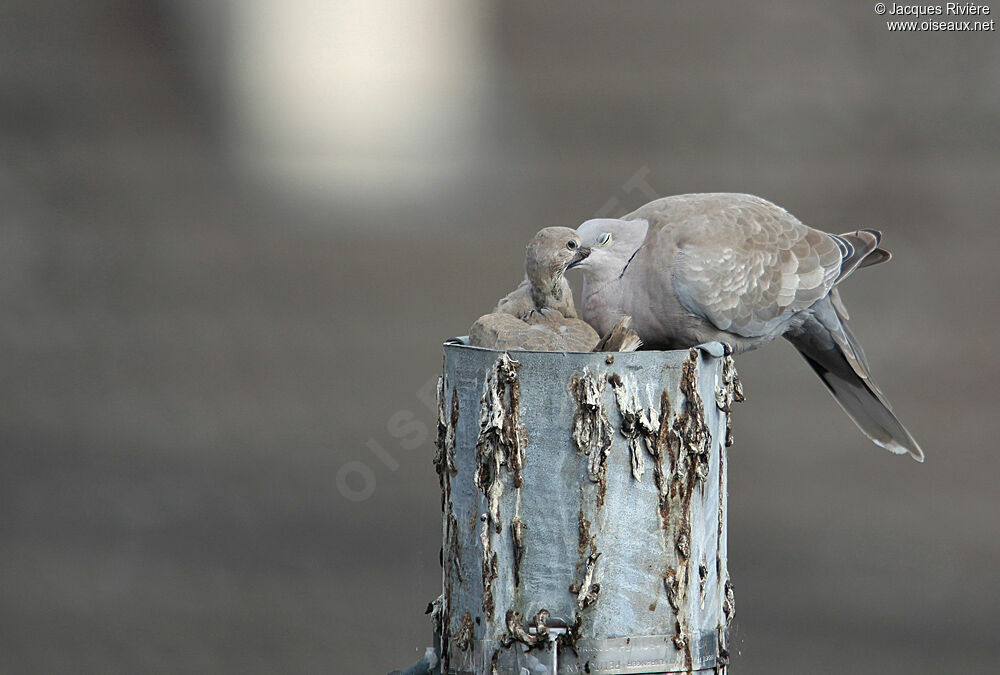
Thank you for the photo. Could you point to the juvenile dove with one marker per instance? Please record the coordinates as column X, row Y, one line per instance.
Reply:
column 737, row 269
column 547, row 256
column 539, row 314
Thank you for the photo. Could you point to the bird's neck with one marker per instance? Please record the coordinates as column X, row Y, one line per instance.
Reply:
column 545, row 287
column 602, row 303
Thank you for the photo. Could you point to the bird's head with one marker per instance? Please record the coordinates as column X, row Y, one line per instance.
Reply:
column 612, row 243
column 552, row 251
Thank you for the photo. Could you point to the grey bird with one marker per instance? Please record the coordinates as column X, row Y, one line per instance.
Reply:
column 547, row 256
column 737, row 269
column 540, row 314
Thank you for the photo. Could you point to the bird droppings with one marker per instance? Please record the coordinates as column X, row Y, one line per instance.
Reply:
column 516, row 632
column 463, row 639
column 491, row 446
column 442, row 431
column 500, row 445
column 517, row 534
column 728, row 610
column 489, row 571
column 702, row 579
column 436, row 610
column 730, row 392
column 684, row 541
column 722, row 632
column 671, row 584
column 441, row 617
column 541, row 620
column 444, row 456
column 592, row 432
column 452, row 553
column 639, row 426
column 444, row 464
column 680, row 640
column 723, row 656
column 696, row 439
column 586, row 591
column 585, row 539
column 689, row 445
column 501, row 434
column 681, row 450
column 659, row 448
column 729, row 601
column 571, row 637
column 514, row 430
column 682, row 643
column 449, row 445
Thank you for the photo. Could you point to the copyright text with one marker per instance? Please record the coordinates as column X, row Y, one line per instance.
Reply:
column 952, row 17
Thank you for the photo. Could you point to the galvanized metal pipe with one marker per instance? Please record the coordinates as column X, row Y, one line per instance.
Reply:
column 584, row 511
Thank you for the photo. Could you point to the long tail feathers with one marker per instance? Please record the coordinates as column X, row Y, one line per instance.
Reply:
column 833, row 352
column 859, row 249
column 876, row 257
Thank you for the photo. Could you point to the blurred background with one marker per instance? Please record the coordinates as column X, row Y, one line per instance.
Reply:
column 235, row 233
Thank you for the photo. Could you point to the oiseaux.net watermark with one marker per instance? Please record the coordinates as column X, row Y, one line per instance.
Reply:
column 948, row 17
column 356, row 479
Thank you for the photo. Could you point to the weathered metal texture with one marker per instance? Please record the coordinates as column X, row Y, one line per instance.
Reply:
column 584, row 511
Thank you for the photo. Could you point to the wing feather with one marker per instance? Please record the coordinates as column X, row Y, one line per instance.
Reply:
column 753, row 264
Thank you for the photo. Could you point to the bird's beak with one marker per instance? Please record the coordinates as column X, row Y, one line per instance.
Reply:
column 581, row 255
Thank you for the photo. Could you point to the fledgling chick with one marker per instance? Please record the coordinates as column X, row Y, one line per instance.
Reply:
column 547, row 257
column 539, row 314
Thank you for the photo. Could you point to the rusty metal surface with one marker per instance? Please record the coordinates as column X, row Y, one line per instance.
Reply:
column 584, row 511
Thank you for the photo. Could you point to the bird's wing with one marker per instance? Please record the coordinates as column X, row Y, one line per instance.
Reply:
column 749, row 264
column 518, row 302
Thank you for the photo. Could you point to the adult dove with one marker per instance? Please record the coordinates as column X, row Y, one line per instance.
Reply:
column 737, row 269
column 540, row 314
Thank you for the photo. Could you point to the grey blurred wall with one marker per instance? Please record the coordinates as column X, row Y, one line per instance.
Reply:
column 205, row 322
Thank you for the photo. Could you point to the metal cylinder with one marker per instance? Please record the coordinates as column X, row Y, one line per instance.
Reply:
column 584, row 511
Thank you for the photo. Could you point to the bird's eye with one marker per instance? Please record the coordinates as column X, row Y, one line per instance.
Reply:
column 571, row 244
column 604, row 239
